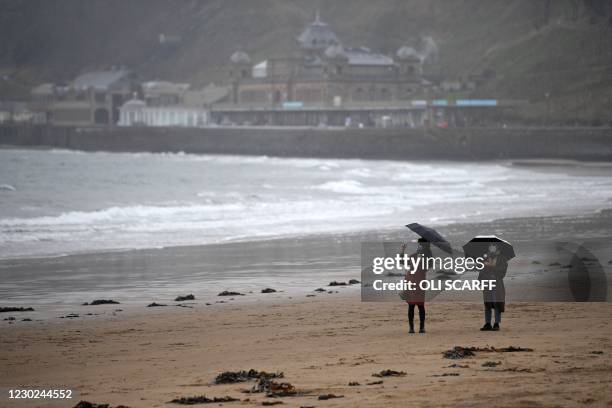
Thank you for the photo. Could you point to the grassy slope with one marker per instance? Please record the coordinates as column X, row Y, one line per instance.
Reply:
column 568, row 58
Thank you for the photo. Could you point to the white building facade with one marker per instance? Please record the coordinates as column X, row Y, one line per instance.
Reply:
column 136, row 113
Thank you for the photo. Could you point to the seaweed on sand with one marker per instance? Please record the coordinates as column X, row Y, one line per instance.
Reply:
column 87, row 404
column 459, row 352
column 15, row 309
column 389, row 373
column 273, row 388
column 182, row 298
column 329, row 396
column 230, row 293
column 101, row 302
column 202, row 399
column 229, row 377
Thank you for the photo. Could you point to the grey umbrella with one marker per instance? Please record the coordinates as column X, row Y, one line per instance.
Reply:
column 432, row 236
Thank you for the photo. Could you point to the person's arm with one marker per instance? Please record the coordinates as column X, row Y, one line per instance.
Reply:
column 403, row 251
column 490, row 262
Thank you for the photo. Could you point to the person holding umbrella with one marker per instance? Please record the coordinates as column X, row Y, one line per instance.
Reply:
column 497, row 253
column 416, row 297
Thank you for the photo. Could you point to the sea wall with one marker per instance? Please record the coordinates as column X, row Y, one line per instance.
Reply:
column 413, row 144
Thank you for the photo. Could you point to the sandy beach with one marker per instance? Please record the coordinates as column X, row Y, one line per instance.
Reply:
column 132, row 355
column 321, row 344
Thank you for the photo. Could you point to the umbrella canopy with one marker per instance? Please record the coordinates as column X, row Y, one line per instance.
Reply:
column 483, row 244
column 432, row 236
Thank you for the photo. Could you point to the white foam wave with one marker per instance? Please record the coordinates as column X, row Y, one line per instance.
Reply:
column 344, row 187
column 122, row 215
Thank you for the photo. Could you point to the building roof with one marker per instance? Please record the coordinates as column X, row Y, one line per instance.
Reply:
column 134, row 104
column 100, row 80
column 164, row 87
column 240, row 57
column 212, row 93
column 317, row 35
column 407, row 53
column 46, row 88
column 363, row 56
column 336, row 51
column 260, row 70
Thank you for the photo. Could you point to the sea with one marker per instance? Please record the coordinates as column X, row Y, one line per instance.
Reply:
column 71, row 222
column 58, row 202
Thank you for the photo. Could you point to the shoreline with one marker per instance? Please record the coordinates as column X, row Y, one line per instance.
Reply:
column 140, row 277
column 296, row 237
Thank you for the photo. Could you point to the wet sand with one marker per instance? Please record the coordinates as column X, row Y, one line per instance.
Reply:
column 321, row 344
column 59, row 285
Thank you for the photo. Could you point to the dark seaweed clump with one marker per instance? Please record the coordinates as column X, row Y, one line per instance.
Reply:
column 229, row 377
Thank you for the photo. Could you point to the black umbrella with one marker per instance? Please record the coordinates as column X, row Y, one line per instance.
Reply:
column 432, row 236
column 483, row 244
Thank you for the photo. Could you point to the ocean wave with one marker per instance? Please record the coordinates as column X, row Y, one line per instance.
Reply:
column 148, row 200
column 344, row 187
column 7, row 187
column 122, row 215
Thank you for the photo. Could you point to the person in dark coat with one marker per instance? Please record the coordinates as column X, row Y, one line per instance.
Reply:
column 417, row 297
column 495, row 268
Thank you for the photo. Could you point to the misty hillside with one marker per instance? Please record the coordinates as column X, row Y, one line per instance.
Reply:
column 555, row 53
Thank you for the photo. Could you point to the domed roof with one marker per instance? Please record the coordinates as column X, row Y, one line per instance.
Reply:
column 240, row 57
column 407, row 52
column 336, row 51
column 317, row 36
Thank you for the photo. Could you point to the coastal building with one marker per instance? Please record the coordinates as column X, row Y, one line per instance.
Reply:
column 135, row 112
column 20, row 113
column 92, row 98
column 163, row 93
column 170, row 104
column 324, row 82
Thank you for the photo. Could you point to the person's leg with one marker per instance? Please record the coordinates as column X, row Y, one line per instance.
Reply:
column 487, row 325
column 411, row 317
column 422, row 318
column 497, row 318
